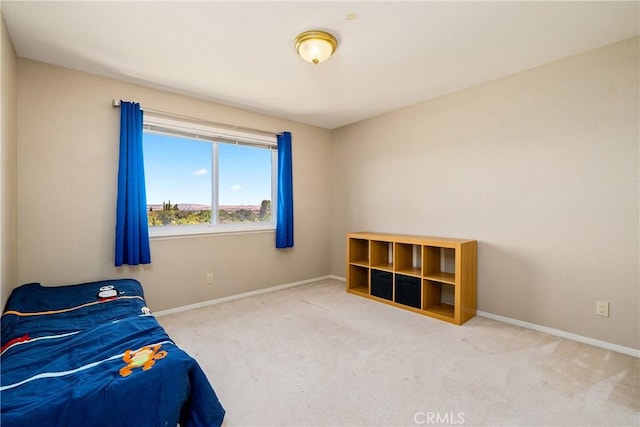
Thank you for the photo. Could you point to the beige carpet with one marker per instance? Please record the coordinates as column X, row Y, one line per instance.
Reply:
column 317, row 356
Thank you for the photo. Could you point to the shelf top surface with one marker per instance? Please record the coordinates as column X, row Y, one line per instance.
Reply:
column 405, row 238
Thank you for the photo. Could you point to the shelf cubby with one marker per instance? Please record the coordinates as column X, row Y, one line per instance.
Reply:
column 434, row 276
column 439, row 264
column 382, row 255
column 358, row 278
column 439, row 298
column 408, row 259
column 359, row 252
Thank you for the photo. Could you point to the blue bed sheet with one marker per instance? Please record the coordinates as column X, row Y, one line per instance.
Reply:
column 73, row 357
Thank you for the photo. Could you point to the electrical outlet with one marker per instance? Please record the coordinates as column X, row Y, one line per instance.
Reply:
column 209, row 278
column 602, row 308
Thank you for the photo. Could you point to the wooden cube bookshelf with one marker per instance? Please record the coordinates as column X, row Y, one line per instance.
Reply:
column 433, row 276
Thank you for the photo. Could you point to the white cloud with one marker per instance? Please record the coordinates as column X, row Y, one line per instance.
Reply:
column 236, row 188
column 199, row 172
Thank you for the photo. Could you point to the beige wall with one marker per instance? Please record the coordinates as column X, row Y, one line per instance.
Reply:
column 67, row 175
column 540, row 167
column 8, row 175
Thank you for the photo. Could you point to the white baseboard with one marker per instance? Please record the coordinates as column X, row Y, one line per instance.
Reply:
column 238, row 296
column 551, row 331
column 562, row 334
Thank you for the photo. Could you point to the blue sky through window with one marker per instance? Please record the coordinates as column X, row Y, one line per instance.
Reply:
column 179, row 169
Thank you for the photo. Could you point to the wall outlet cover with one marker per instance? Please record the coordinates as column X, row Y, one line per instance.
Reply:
column 602, row 308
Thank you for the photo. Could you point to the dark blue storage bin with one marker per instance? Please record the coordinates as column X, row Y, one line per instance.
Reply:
column 408, row 290
column 382, row 284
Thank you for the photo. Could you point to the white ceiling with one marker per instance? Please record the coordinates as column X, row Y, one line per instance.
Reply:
column 393, row 54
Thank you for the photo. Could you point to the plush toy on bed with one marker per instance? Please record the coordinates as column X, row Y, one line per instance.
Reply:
column 144, row 358
column 107, row 292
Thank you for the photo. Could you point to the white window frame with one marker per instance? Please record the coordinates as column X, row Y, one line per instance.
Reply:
column 202, row 131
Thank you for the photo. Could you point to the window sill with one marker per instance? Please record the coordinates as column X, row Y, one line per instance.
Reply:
column 188, row 231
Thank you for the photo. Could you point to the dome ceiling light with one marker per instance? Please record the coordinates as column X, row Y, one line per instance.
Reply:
column 315, row 46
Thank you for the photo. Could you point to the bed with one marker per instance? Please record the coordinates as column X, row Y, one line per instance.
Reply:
column 93, row 354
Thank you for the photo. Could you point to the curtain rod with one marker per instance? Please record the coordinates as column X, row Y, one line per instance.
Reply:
column 116, row 104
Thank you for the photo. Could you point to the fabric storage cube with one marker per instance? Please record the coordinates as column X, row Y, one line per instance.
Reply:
column 408, row 290
column 382, row 284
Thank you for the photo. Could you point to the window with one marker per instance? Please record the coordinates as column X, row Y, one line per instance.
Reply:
column 203, row 179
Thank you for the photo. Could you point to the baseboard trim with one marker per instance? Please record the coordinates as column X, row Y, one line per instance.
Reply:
column 527, row 325
column 562, row 334
column 239, row 296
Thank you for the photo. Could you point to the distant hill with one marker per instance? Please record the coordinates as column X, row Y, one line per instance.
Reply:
column 196, row 207
column 182, row 207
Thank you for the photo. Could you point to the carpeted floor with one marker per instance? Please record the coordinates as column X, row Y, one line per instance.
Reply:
column 317, row 356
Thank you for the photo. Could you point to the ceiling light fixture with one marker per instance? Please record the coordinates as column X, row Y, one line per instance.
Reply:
column 315, row 46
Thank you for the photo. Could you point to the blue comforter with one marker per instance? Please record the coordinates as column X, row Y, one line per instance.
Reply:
column 92, row 355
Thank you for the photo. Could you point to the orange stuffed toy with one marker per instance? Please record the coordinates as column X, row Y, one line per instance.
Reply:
column 145, row 357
